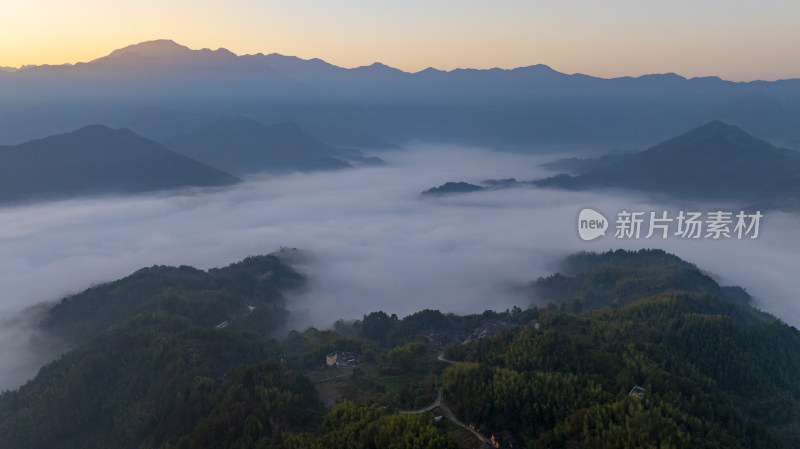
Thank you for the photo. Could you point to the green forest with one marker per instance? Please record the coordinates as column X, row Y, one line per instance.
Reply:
column 176, row 357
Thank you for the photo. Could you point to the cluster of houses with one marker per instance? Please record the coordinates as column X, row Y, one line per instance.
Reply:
column 342, row 359
column 433, row 337
column 489, row 328
column 492, row 327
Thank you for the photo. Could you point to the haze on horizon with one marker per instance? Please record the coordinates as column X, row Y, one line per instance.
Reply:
column 740, row 41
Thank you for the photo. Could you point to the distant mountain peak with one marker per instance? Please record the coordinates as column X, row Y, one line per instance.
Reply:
column 716, row 129
column 671, row 76
column 541, row 67
column 97, row 159
column 157, row 48
column 95, row 133
column 716, row 125
column 244, row 146
column 93, row 128
column 376, row 67
column 165, row 51
column 97, row 136
column 713, row 161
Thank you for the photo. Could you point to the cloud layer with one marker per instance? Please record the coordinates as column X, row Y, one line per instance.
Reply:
column 374, row 243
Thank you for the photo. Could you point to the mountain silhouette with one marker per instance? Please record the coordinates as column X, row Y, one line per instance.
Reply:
column 532, row 108
column 243, row 146
column 161, row 48
column 164, row 54
column 714, row 161
column 97, row 160
column 162, row 60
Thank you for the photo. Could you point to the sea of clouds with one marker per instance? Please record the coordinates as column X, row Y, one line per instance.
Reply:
column 370, row 242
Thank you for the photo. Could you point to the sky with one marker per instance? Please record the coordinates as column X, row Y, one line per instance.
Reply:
column 738, row 40
column 369, row 242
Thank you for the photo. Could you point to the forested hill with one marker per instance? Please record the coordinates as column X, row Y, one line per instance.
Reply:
column 715, row 371
column 175, row 357
column 617, row 278
column 709, row 382
column 247, row 294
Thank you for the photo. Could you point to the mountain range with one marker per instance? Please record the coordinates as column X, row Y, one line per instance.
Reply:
column 714, row 161
column 98, row 160
column 534, row 108
column 242, row 146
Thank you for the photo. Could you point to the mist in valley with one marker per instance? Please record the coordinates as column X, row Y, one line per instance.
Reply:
column 366, row 238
